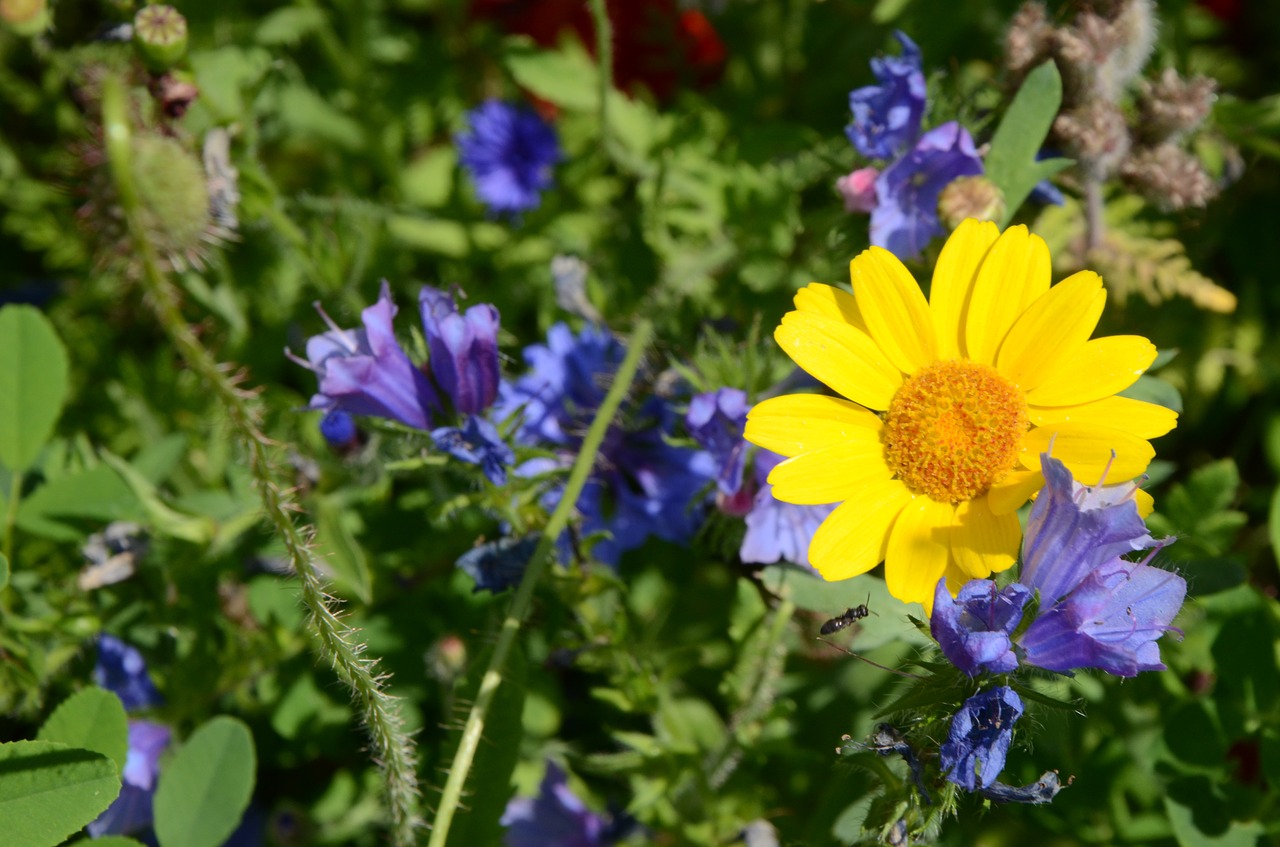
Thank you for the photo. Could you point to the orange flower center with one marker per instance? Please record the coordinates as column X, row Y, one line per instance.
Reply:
column 953, row 430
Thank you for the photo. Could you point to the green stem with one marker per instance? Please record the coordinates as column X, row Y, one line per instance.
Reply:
column 474, row 728
column 339, row 644
column 604, row 54
column 11, row 518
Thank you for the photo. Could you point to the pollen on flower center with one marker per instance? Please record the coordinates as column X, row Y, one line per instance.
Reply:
column 954, row 429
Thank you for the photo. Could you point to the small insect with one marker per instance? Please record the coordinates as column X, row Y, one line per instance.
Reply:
column 849, row 618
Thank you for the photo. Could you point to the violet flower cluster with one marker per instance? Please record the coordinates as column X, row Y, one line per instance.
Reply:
column 509, row 152
column 555, row 818
column 902, row 197
column 643, row 486
column 1096, row 609
column 365, row 372
column 776, row 531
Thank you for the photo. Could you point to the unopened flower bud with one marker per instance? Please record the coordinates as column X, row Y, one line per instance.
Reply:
column 970, row 197
column 174, row 195
column 27, row 18
column 447, row 658
column 340, row 431
column 160, row 36
column 859, row 190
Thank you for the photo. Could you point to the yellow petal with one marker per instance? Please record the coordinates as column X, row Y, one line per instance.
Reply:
column 794, row 423
column 833, row 473
column 851, row 541
column 1014, row 273
column 842, row 356
column 1086, row 451
column 982, row 542
column 919, row 549
column 1051, row 329
column 953, row 279
column 1145, row 420
column 830, row 302
column 1010, row 493
column 894, row 308
column 1097, row 369
column 1146, row 503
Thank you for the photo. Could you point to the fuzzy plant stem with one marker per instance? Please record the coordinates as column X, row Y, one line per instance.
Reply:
column 336, row 642
column 473, row 730
column 604, row 54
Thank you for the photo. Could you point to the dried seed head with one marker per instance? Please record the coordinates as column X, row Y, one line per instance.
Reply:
column 970, row 197
column 1096, row 135
column 1169, row 176
column 1029, row 39
column 1170, row 106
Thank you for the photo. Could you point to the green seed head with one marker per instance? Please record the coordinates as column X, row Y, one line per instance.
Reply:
column 160, row 36
column 27, row 18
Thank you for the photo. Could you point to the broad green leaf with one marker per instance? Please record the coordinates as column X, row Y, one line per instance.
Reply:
column 49, row 791
column 205, row 788
column 1153, row 389
column 567, row 78
column 489, row 783
column 289, row 25
column 96, row 495
column 92, row 719
column 1012, row 164
column 33, row 384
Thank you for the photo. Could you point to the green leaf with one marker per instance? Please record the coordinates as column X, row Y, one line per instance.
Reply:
column 92, row 719
column 1012, row 164
column 1153, row 389
column 33, row 383
column 4, row 571
column 888, row 619
column 342, row 555
column 111, row 841
column 166, row 521
column 567, row 78
column 205, row 788
column 49, row 791
column 98, row 494
column 289, row 25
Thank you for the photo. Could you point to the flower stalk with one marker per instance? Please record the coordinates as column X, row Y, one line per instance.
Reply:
column 473, row 730
column 336, row 642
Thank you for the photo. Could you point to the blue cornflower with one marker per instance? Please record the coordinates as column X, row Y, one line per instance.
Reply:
column 716, row 420
column 973, row 629
column 463, row 348
column 778, row 531
column 131, row 811
column 509, row 152
column 479, row 443
column 974, row 752
column 886, row 117
column 642, row 486
column 122, row 671
column 905, row 218
column 365, row 371
column 555, row 818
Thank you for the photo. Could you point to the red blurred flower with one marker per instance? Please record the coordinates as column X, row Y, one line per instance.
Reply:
column 655, row 45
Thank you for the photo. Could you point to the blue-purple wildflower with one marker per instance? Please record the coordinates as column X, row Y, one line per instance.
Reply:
column 497, row 565
column 978, row 742
column 366, row 372
column 477, row 441
column 555, row 818
column 122, row 670
column 974, row 628
column 509, row 153
column 463, row 349
column 131, row 811
column 778, row 531
column 642, row 486
column 886, row 117
column 905, row 218
column 716, row 420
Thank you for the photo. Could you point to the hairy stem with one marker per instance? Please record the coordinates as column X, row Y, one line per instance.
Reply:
column 336, row 642
column 474, row 727
column 1093, row 224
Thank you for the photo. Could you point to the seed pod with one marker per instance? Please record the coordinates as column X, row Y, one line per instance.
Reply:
column 160, row 36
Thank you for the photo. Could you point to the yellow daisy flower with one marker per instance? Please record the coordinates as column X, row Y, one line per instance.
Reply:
column 950, row 403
